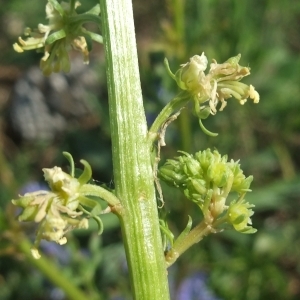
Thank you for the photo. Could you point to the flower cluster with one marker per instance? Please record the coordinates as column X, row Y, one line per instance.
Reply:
column 221, row 82
column 207, row 178
column 63, row 32
column 59, row 210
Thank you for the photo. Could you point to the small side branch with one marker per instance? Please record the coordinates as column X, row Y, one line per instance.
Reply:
column 175, row 104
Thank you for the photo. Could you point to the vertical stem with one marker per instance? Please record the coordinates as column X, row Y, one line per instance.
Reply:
column 185, row 131
column 179, row 27
column 179, row 7
column 133, row 174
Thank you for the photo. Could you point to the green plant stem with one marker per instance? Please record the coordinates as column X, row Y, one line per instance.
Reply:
column 72, row 6
column 133, row 175
column 177, row 103
column 84, row 18
column 185, row 131
column 179, row 24
column 98, row 191
column 193, row 237
column 51, row 272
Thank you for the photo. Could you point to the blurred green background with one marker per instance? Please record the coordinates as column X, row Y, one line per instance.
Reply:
column 265, row 137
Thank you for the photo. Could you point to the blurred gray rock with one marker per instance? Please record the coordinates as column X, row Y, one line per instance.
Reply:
column 42, row 108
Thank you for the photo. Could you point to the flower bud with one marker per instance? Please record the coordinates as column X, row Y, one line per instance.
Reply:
column 187, row 77
column 207, row 178
column 239, row 214
column 170, row 175
column 192, row 167
column 243, row 185
column 205, row 159
column 195, row 197
column 240, row 182
column 219, row 173
column 198, row 185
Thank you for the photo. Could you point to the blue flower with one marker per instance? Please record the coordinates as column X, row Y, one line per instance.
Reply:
column 194, row 288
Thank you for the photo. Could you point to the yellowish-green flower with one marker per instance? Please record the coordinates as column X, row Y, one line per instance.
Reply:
column 55, row 210
column 219, row 84
column 239, row 214
column 64, row 32
column 62, row 208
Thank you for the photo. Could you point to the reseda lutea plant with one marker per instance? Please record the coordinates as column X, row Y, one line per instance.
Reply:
column 207, row 178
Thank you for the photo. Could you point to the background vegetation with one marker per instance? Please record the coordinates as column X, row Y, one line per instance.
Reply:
column 265, row 137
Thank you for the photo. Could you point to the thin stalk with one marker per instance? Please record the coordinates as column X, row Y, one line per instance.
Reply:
column 178, row 102
column 193, row 237
column 185, row 131
column 72, row 6
column 133, row 175
column 98, row 191
column 51, row 272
